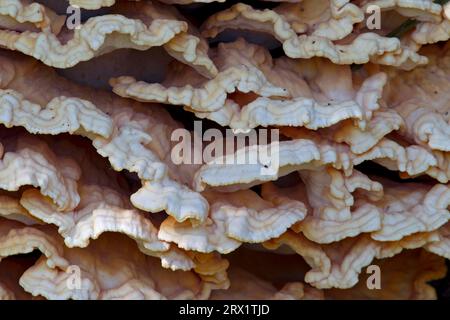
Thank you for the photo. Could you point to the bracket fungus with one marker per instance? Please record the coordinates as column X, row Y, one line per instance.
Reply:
column 323, row 149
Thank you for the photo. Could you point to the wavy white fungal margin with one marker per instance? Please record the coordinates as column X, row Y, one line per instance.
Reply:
column 360, row 141
column 92, row 4
column 99, row 35
column 100, row 210
column 409, row 209
column 338, row 265
column 177, row 200
column 16, row 238
column 209, row 97
column 421, row 98
column 282, row 158
column 34, row 164
column 18, row 14
column 234, row 218
column 72, row 115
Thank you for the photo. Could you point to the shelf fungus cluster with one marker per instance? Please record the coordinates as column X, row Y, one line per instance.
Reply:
column 96, row 204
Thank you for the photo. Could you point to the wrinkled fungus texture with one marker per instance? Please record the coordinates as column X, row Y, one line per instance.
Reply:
column 323, row 152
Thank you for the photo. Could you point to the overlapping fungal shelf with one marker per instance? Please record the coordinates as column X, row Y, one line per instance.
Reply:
column 87, row 174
